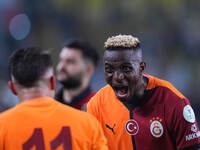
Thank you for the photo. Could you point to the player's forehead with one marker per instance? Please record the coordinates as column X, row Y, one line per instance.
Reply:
column 120, row 56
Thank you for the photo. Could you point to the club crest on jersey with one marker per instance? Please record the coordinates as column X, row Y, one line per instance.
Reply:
column 188, row 114
column 132, row 127
column 156, row 127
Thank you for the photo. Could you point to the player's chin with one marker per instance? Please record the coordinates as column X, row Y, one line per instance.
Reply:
column 122, row 97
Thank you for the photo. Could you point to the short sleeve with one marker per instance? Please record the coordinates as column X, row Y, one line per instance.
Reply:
column 184, row 127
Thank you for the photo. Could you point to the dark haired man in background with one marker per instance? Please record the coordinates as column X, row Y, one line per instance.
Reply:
column 77, row 62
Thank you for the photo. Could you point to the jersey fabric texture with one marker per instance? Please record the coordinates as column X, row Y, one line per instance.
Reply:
column 164, row 119
column 45, row 124
column 80, row 101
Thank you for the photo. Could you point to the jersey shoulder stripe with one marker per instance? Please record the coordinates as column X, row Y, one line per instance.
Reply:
column 156, row 82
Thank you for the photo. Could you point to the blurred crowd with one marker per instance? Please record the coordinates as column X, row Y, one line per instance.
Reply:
column 168, row 30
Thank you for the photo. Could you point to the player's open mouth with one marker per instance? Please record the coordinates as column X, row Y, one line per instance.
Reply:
column 121, row 92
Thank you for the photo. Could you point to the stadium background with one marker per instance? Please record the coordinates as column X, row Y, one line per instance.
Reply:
column 168, row 29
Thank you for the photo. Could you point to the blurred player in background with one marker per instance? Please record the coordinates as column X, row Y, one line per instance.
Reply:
column 77, row 62
column 39, row 121
column 138, row 111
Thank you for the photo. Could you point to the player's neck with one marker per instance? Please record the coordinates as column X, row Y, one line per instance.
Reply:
column 141, row 88
column 28, row 94
column 145, row 82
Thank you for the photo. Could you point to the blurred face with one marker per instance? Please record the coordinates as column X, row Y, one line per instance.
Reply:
column 70, row 68
column 123, row 72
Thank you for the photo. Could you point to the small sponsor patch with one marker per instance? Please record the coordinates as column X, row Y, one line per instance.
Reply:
column 156, row 127
column 192, row 136
column 188, row 114
column 193, row 128
column 132, row 127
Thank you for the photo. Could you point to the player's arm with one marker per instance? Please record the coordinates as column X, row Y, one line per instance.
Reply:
column 98, row 138
column 2, row 130
column 92, row 107
column 184, row 128
column 1, row 139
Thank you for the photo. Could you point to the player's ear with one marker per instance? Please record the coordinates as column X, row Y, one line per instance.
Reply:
column 12, row 87
column 52, row 83
column 142, row 66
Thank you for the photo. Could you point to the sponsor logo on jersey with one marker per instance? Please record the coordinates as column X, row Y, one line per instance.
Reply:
column 132, row 127
column 111, row 128
column 194, row 135
column 156, row 127
column 193, row 128
column 188, row 114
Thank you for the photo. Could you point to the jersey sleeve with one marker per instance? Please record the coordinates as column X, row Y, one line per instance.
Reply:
column 2, row 131
column 92, row 106
column 99, row 140
column 184, row 128
column 1, row 137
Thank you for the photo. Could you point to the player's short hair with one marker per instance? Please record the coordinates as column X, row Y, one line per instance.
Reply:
column 122, row 42
column 88, row 51
column 28, row 65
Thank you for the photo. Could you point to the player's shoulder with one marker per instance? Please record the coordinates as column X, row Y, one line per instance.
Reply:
column 102, row 95
column 8, row 114
column 165, row 85
column 106, row 90
column 85, row 119
column 75, row 113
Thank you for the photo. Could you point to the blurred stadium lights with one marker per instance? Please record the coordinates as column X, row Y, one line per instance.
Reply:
column 20, row 26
